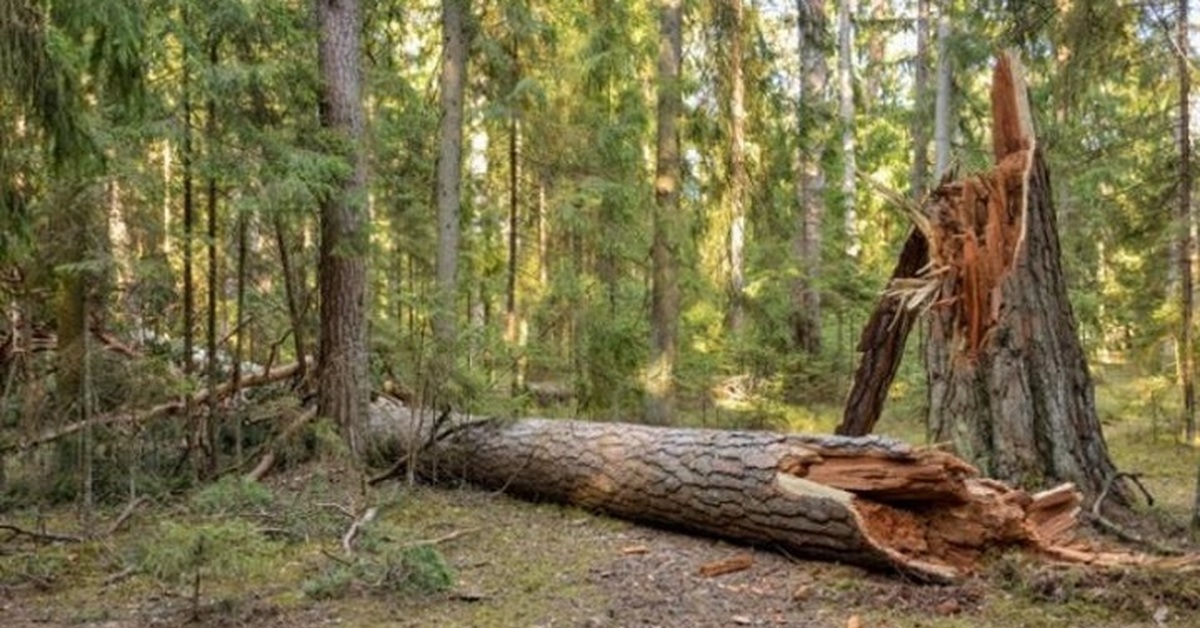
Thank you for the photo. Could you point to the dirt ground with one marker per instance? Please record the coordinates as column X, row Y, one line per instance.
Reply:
column 520, row 564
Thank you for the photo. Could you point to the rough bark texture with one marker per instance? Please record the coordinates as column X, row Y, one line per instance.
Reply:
column 1009, row 384
column 882, row 345
column 810, row 176
column 941, row 118
column 664, row 298
column 1187, row 370
column 342, row 387
column 449, row 170
column 920, row 121
column 867, row 501
column 846, row 10
column 738, row 178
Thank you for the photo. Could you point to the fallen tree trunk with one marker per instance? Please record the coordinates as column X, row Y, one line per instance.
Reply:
column 869, row 501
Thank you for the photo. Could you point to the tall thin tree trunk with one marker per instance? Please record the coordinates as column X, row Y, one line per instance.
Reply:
column 243, row 237
column 293, row 291
column 186, row 160
column 941, row 116
column 919, row 174
column 1184, row 219
column 342, row 391
column 167, row 208
column 876, row 45
column 664, row 297
column 738, row 183
column 511, row 323
column 210, row 422
column 87, row 438
column 846, row 12
column 477, row 166
column 810, row 175
column 543, row 230
column 449, row 176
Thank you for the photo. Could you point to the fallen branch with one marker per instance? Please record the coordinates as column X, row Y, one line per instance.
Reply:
column 441, row 539
column 356, row 528
column 47, row 537
column 268, row 459
column 126, row 514
column 389, row 473
column 150, row 414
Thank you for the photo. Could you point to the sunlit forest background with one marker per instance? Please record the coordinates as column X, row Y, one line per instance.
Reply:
column 162, row 164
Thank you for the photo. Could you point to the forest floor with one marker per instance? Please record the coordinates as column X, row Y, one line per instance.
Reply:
column 232, row 555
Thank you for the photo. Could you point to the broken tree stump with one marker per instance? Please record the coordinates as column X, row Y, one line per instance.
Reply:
column 1008, row 379
column 882, row 344
column 868, row 501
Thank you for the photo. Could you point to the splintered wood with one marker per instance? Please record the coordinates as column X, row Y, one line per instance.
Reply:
column 967, row 237
column 867, row 501
column 973, row 228
column 738, row 562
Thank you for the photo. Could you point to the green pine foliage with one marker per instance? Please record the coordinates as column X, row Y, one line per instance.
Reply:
column 91, row 136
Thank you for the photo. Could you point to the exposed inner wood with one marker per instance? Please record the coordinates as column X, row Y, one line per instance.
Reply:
column 967, row 239
column 868, row 501
column 739, row 562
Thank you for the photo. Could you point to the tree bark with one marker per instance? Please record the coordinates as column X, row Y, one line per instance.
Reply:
column 867, row 501
column 941, row 116
column 292, row 288
column 920, row 121
column 664, row 297
column 449, row 174
column 1186, row 356
column 810, row 176
column 1009, row 383
column 738, row 183
column 187, row 156
column 882, row 345
column 342, row 391
column 846, row 10
column 210, row 422
column 512, row 316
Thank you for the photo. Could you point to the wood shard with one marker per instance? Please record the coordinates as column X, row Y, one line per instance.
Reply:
column 737, row 562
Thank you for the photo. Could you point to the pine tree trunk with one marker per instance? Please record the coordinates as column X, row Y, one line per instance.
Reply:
column 512, row 332
column 810, row 176
column 343, row 387
column 664, row 298
column 186, row 163
column 941, row 119
column 846, row 10
column 449, row 175
column 738, row 183
column 869, row 501
column 243, row 236
column 920, row 122
column 210, row 426
column 1186, row 352
column 1009, row 383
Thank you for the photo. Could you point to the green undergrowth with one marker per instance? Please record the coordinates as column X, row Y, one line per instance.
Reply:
column 271, row 553
column 235, row 550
